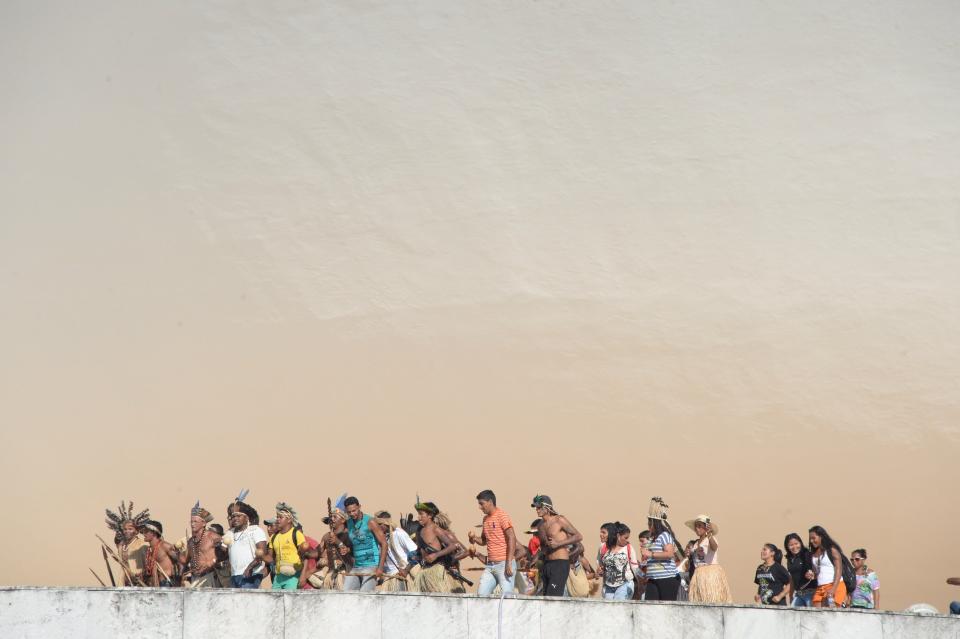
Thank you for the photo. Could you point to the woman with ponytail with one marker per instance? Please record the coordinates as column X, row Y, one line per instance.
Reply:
column 772, row 579
column 619, row 564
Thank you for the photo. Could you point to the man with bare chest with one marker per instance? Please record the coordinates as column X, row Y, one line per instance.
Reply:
column 201, row 555
column 437, row 548
column 162, row 557
column 556, row 535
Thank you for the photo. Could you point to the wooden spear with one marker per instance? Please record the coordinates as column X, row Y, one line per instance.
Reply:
column 126, row 569
column 113, row 582
column 98, row 578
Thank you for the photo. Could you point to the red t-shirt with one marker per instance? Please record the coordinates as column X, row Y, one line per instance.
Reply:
column 310, row 564
column 534, row 545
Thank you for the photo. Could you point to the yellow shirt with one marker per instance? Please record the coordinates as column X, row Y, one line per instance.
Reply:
column 285, row 551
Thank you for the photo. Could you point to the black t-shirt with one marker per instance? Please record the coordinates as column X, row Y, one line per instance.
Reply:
column 771, row 580
column 798, row 567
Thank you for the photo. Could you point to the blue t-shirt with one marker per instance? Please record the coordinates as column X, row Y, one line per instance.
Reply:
column 366, row 550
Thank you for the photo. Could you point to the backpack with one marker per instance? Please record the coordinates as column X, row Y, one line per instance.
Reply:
column 638, row 581
column 849, row 576
column 296, row 530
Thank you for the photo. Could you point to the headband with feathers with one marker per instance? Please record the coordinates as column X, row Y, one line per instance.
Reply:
column 202, row 513
column 115, row 520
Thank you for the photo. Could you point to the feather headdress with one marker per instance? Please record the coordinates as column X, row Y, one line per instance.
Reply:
column 124, row 513
column 242, row 506
column 658, row 509
column 202, row 513
column 283, row 508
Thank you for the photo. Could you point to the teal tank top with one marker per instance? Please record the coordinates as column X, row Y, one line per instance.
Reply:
column 366, row 551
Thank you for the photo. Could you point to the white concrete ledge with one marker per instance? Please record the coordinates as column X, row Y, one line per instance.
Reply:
column 76, row 613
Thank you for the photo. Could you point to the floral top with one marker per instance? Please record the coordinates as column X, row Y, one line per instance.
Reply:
column 619, row 566
column 863, row 593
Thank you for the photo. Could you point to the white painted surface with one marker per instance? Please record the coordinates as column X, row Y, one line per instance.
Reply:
column 47, row 613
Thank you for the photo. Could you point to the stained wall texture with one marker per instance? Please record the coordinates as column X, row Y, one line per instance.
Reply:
column 601, row 251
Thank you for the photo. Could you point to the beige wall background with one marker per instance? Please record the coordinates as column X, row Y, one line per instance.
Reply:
column 603, row 251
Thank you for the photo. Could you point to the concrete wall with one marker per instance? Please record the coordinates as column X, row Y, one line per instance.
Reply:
column 74, row 613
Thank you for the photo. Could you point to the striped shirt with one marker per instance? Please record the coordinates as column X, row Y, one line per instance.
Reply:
column 661, row 568
column 495, row 531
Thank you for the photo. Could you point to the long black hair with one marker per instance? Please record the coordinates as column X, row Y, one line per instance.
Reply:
column 612, row 534
column 804, row 551
column 661, row 526
column 826, row 542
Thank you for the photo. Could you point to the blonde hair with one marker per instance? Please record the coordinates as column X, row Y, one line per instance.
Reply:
column 442, row 520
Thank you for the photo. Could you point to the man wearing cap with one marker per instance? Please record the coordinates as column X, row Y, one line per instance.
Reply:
column 200, row 557
column 162, row 557
column 501, row 542
column 369, row 549
column 556, row 535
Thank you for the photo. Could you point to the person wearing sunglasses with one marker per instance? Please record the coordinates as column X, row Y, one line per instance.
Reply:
column 867, row 593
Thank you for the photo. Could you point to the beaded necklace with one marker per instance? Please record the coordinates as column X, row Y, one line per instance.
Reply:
column 194, row 548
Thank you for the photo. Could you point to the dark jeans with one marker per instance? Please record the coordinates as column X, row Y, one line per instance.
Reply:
column 662, row 589
column 252, row 582
column 555, row 573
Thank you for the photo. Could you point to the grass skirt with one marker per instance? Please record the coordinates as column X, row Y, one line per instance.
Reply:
column 432, row 579
column 393, row 585
column 709, row 585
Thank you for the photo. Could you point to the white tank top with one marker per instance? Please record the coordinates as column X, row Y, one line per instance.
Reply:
column 824, row 566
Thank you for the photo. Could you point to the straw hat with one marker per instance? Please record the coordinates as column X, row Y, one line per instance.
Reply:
column 703, row 519
column 384, row 519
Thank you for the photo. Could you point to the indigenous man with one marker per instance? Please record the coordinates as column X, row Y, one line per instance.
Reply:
column 286, row 547
column 162, row 561
column 247, row 545
column 333, row 557
column 131, row 548
column 369, row 549
column 399, row 547
column 201, row 555
column 556, row 535
column 437, row 549
column 501, row 542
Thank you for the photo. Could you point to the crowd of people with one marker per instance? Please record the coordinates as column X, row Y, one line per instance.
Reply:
column 364, row 552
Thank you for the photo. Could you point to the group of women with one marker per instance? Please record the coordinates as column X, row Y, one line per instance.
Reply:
column 653, row 573
column 817, row 575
